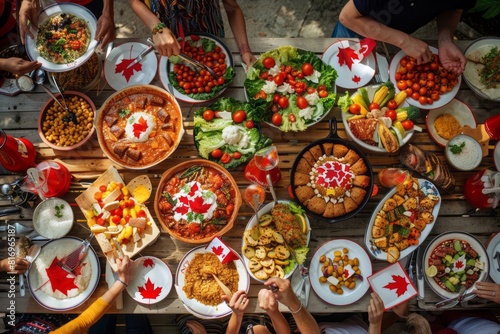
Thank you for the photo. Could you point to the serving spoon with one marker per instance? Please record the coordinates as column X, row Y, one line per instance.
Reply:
column 224, row 288
column 72, row 115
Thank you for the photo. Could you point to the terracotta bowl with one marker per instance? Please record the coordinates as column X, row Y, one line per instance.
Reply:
column 43, row 117
column 167, row 176
column 121, row 107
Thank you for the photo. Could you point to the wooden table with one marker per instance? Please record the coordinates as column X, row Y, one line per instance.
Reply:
column 19, row 119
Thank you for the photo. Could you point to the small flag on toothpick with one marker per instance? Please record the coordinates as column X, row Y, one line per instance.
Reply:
column 223, row 252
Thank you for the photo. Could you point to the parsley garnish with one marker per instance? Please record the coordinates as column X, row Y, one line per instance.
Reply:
column 173, row 202
column 123, row 113
column 59, row 209
column 457, row 149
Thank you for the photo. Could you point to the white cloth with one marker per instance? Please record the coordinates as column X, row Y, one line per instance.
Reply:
column 467, row 325
column 351, row 325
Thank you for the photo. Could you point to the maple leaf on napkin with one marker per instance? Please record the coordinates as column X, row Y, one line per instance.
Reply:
column 398, row 283
column 128, row 71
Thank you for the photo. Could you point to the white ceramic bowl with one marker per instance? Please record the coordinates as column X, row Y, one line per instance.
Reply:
column 470, row 155
column 457, row 109
column 53, row 218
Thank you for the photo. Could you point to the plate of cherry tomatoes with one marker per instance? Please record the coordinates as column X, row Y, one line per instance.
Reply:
column 429, row 85
column 198, row 86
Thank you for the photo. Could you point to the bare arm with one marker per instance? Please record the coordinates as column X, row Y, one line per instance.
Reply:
column 106, row 24
column 366, row 26
column 237, row 22
column 238, row 303
column 449, row 54
column 28, row 15
column 268, row 302
column 165, row 41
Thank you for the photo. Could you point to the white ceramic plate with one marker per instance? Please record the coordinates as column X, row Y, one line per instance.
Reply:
column 473, row 242
column 151, row 273
column 345, row 115
column 196, row 307
column 496, row 156
column 443, row 99
column 359, row 74
column 488, row 41
column 428, row 188
column 55, row 9
column 458, row 109
column 493, row 247
column 55, row 304
column 116, row 78
column 253, row 221
column 323, row 289
column 166, row 67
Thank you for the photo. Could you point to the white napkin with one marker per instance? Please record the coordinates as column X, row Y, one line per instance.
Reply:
column 383, row 67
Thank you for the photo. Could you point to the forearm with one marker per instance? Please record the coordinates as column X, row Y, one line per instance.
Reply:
column 110, row 295
column 108, row 9
column 447, row 24
column 304, row 320
column 375, row 329
column 280, row 324
column 236, row 21
column 145, row 15
column 82, row 323
column 234, row 324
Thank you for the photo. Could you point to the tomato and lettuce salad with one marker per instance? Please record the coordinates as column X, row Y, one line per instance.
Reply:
column 227, row 132
column 200, row 85
column 299, row 87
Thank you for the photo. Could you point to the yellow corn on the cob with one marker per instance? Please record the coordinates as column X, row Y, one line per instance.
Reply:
column 401, row 116
column 359, row 100
column 380, row 95
column 400, row 97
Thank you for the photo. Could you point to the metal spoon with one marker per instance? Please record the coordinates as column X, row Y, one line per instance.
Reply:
column 72, row 116
column 450, row 302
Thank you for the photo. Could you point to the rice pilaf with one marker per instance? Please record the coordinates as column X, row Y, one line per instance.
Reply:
column 200, row 284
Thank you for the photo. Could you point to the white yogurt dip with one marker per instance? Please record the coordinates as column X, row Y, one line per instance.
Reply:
column 463, row 152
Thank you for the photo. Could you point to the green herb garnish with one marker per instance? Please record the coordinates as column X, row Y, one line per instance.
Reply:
column 59, row 209
column 457, row 149
column 123, row 113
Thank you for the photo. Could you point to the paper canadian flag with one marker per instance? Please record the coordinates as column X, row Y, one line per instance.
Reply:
column 223, row 252
column 393, row 285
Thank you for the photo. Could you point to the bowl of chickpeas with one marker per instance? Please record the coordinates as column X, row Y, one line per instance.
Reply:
column 67, row 130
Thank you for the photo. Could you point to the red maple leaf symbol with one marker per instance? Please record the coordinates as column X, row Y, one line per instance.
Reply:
column 140, row 126
column 184, row 208
column 459, row 264
column 346, row 273
column 217, row 250
column 356, row 79
column 194, row 189
column 127, row 72
column 399, row 284
column 197, row 205
column 346, row 56
column 59, row 278
column 148, row 263
column 149, row 291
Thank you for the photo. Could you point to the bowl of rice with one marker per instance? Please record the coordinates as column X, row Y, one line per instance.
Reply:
column 463, row 152
column 53, row 218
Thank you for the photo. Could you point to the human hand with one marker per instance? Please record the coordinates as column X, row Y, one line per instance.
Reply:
column 28, row 15
column 248, row 58
column 105, row 31
column 124, row 269
column 238, row 302
column 19, row 265
column 166, row 43
column 451, row 57
column 268, row 301
column 284, row 294
column 401, row 310
column 417, row 49
column 375, row 310
column 488, row 290
column 18, row 65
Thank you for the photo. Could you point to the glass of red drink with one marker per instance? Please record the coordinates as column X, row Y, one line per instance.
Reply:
column 264, row 162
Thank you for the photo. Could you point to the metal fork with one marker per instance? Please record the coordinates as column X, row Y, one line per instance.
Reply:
column 377, row 79
column 71, row 261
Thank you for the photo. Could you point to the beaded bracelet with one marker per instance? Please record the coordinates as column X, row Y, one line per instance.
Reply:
column 122, row 282
column 298, row 310
column 158, row 28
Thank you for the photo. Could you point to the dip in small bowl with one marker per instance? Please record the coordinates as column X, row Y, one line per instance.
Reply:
column 53, row 218
column 463, row 152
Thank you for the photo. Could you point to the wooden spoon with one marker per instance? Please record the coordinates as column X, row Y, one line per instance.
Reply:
column 224, row 288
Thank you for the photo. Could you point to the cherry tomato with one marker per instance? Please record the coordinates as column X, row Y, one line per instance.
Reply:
column 276, row 98
column 355, row 108
column 195, row 38
column 392, row 104
column 407, row 124
column 401, row 84
column 225, row 158
column 275, row 108
column 249, row 124
column 415, row 87
column 310, row 90
column 422, row 99
column 374, row 106
column 141, row 214
column 239, row 116
column 279, row 78
column 292, row 118
column 321, row 87
column 216, row 154
column 391, row 113
column 208, row 115
column 276, row 119
column 323, row 93
column 99, row 221
column 268, row 62
column 103, row 188
column 415, row 96
column 302, row 102
column 283, row 102
column 236, row 155
column 307, row 69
